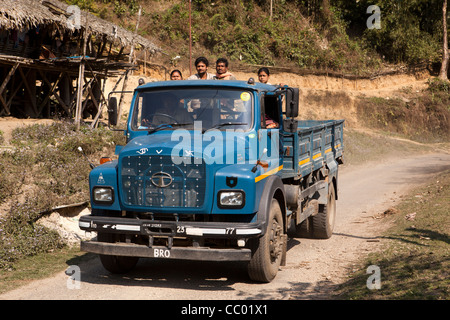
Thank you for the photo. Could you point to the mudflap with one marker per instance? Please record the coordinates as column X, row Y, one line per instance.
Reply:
column 283, row 256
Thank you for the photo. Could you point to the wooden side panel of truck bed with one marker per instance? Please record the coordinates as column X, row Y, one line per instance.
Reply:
column 313, row 145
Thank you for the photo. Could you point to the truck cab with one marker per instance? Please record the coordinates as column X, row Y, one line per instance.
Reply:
column 214, row 170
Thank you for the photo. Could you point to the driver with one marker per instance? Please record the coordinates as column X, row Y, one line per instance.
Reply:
column 168, row 109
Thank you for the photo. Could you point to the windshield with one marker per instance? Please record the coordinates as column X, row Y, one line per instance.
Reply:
column 210, row 108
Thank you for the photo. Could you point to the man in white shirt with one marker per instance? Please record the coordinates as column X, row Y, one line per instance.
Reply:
column 201, row 64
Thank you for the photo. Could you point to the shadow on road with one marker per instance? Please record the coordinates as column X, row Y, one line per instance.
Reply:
column 406, row 176
column 184, row 274
column 195, row 275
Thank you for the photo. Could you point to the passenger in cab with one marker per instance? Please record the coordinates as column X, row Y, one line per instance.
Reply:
column 263, row 77
column 270, row 123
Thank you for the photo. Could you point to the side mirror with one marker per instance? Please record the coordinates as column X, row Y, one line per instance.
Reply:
column 112, row 111
column 292, row 98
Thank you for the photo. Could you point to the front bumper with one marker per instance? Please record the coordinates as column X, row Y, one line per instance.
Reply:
column 189, row 229
column 183, row 253
column 170, row 229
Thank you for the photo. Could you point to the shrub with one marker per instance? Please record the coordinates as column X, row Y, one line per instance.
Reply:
column 21, row 237
column 436, row 85
column 44, row 170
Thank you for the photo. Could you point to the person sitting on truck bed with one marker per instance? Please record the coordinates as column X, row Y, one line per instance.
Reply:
column 222, row 72
column 176, row 75
column 201, row 65
column 264, row 75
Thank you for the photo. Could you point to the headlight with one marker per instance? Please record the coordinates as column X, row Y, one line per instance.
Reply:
column 103, row 195
column 231, row 199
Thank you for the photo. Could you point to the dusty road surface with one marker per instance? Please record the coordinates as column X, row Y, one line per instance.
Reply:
column 313, row 267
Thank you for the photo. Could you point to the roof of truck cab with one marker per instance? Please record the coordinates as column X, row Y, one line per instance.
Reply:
column 207, row 83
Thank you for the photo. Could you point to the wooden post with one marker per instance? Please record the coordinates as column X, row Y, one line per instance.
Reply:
column 103, row 101
column 130, row 58
column 29, row 81
column 271, row 9
column 145, row 62
column 190, row 40
column 64, row 89
column 3, row 86
column 124, row 87
column 81, row 79
column 127, row 72
column 445, row 55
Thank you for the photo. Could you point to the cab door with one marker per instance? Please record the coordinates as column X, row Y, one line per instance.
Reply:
column 269, row 135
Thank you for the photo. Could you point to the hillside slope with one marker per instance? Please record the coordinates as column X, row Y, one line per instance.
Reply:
column 328, row 35
column 293, row 35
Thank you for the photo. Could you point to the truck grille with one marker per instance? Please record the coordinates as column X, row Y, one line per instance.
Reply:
column 155, row 181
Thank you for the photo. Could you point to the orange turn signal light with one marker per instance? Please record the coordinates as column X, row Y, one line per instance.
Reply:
column 263, row 164
column 105, row 160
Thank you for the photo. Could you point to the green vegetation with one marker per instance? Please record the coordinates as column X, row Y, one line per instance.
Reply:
column 416, row 262
column 320, row 34
column 423, row 117
column 41, row 171
column 411, row 31
column 244, row 30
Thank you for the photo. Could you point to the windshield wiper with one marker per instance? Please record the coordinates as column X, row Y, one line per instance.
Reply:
column 167, row 126
column 220, row 125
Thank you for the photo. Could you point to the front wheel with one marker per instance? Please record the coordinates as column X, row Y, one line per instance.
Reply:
column 267, row 251
column 118, row 264
column 115, row 264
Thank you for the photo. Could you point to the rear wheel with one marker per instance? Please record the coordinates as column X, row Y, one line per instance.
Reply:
column 303, row 229
column 267, row 251
column 116, row 264
column 323, row 221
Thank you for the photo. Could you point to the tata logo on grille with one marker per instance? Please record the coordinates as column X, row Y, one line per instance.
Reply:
column 142, row 151
column 162, row 179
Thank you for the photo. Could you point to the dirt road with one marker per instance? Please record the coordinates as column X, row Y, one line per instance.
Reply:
column 313, row 267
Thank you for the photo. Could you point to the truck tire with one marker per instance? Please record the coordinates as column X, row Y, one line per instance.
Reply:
column 323, row 221
column 302, row 230
column 116, row 264
column 267, row 251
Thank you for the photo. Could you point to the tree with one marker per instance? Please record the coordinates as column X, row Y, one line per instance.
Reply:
column 445, row 55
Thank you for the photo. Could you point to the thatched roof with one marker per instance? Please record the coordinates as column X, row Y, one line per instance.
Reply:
column 25, row 14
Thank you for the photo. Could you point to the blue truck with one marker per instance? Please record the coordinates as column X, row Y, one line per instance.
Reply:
column 216, row 171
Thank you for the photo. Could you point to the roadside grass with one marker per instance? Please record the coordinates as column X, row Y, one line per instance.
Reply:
column 415, row 265
column 41, row 266
column 422, row 117
column 362, row 146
